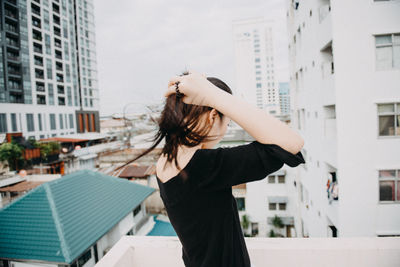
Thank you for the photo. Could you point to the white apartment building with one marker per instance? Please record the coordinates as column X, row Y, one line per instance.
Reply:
column 254, row 63
column 344, row 78
column 48, row 75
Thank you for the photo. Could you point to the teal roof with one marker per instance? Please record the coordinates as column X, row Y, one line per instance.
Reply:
column 59, row 220
column 162, row 228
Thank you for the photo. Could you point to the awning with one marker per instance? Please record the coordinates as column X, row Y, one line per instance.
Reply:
column 278, row 199
column 285, row 220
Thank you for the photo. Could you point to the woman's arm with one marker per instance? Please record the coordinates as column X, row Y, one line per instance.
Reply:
column 262, row 126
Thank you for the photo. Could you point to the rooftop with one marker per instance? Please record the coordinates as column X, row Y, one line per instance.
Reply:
column 59, row 220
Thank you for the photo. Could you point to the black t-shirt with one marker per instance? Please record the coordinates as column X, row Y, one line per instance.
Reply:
column 202, row 209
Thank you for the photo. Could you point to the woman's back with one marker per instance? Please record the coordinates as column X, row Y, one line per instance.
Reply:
column 200, row 204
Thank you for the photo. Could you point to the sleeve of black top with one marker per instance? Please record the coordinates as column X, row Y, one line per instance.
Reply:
column 225, row 167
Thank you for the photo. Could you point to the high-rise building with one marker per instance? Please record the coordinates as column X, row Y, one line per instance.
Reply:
column 254, row 63
column 284, row 98
column 345, row 76
column 48, row 75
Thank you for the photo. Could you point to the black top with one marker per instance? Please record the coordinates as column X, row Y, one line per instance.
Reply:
column 201, row 207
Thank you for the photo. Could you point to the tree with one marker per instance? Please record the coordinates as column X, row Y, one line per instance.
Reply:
column 272, row 233
column 277, row 222
column 245, row 221
column 12, row 153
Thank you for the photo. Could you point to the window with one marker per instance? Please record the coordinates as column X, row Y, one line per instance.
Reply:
column 271, row 179
column 71, row 121
column 240, row 203
column 257, row 59
column 86, row 256
column 389, row 185
column 389, row 119
column 49, row 69
column 258, row 85
column 281, row 179
column 40, row 122
column 282, row 206
column 272, row 206
column 14, row 122
column 387, row 51
column 3, row 123
column 254, row 229
column 29, row 122
column 51, row 94
column 137, row 210
column 52, row 121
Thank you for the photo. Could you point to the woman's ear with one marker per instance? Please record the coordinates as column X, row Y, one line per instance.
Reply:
column 212, row 116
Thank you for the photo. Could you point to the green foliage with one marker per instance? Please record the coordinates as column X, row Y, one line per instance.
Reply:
column 271, row 233
column 245, row 221
column 11, row 153
column 277, row 222
column 49, row 148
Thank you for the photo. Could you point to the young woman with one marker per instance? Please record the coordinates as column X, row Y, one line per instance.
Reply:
column 196, row 180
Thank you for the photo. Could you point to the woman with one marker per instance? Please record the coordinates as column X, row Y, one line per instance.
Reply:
column 196, row 181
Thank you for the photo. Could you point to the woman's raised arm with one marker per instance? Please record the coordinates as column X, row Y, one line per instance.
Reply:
column 264, row 127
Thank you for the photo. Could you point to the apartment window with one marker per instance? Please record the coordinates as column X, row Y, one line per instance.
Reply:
column 137, row 210
column 52, row 121
column 29, row 122
column 271, row 179
column 40, row 122
column 387, row 51
column 49, row 68
column 51, row 94
column 3, row 123
column 281, row 179
column 389, row 185
column 254, row 229
column 47, row 41
column 14, row 122
column 61, row 121
column 258, row 85
column 257, row 59
column 282, row 206
column 71, row 121
column 240, row 202
column 389, row 119
column 272, row 206
column 86, row 256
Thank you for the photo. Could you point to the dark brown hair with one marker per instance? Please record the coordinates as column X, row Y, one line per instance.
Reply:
column 179, row 124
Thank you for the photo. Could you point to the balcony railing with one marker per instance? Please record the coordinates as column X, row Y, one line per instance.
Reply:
column 131, row 251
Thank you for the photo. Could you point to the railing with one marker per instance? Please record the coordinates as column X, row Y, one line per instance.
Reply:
column 283, row 252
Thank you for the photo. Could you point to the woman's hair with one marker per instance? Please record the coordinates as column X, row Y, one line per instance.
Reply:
column 180, row 124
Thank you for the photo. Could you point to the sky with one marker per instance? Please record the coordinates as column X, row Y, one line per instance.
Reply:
column 141, row 44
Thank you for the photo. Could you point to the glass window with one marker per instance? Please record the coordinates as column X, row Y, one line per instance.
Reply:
column 40, row 122
column 282, row 206
column 271, row 179
column 387, row 51
column 61, row 121
column 52, row 121
column 281, row 179
column 51, row 94
column 240, row 203
column 14, row 127
column 71, row 121
column 389, row 119
column 3, row 123
column 258, row 85
column 29, row 122
column 49, row 68
column 272, row 206
column 389, row 185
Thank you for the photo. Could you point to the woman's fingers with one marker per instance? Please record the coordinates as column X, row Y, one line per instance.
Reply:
column 170, row 91
column 174, row 79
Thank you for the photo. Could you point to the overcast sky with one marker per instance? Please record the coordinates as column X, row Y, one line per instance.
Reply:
column 141, row 44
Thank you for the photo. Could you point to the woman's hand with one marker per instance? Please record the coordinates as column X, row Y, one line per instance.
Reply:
column 195, row 87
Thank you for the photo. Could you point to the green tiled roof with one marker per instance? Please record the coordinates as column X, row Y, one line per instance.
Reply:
column 59, row 220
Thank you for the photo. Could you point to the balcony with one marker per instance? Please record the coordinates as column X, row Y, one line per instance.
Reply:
column 284, row 252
